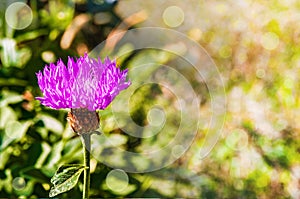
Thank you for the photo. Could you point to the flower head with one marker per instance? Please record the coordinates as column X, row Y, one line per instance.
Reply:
column 84, row 83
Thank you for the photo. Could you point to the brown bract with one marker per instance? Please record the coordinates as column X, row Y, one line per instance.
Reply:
column 83, row 121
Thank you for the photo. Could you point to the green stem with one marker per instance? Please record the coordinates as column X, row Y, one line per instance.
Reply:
column 86, row 143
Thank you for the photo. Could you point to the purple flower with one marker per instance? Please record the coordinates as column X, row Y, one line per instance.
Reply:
column 85, row 83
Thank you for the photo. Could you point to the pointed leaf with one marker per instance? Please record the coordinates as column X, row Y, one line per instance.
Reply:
column 65, row 178
column 34, row 174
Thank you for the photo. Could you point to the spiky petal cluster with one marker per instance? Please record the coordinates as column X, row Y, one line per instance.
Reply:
column 84, row 83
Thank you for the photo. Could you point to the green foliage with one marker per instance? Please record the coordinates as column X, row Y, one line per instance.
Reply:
column 65, row 178
column 257, row 155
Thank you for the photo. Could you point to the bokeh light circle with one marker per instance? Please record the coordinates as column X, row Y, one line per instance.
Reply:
column 117, row 180
column 18, row 183
column 270, row 41
column 18, row 15
column 156, row 117
column 173, row 16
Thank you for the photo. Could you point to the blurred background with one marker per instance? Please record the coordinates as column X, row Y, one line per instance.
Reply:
column 256, row 47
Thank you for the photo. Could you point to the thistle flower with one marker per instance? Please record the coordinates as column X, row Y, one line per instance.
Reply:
column 84, row 86
column 85, row 83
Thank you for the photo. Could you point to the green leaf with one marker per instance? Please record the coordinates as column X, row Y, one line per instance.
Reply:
column 7, row 114
column 9, row 97
column 65, row 178
column 34, row 174
column 12, row 82
column 8, row 52
column 55, row 154
column 52, row 123
column 4, row 157
column 31, row 35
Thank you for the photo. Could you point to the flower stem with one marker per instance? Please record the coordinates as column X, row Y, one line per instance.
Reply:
column 86, row 143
